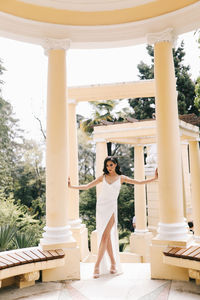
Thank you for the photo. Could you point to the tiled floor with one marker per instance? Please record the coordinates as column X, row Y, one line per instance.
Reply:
column 134, row 284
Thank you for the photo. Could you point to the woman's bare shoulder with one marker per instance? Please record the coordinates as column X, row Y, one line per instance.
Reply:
column 100, row 178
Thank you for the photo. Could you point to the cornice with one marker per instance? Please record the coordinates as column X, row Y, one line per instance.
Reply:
column 183, row 20
column 88, row 5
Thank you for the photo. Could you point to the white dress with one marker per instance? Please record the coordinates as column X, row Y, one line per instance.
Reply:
column 107, row 206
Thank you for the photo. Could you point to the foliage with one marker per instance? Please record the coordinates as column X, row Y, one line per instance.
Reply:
column 144, row 108
column 16, row 215
column 86, row 156
column 197, row 93
column 125, row 155
column 126, row 207
column 22, row 240
column 7, row 232
column 88, row 208
column 2, row 69
column 10, row 136
column 29, row 179
column 101, row 112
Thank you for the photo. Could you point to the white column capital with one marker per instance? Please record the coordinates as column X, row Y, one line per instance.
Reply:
column 54, row 44
column 161, row 36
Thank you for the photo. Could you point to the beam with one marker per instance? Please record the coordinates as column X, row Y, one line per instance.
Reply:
column 124, row 90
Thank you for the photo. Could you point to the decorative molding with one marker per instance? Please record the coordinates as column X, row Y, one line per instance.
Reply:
column 89, row 5
column 53, row 44
column 125, row 129
column 107, row 36
column 140, row 231
column 173, row 231
column 57, row 235
column 165, row 35
column 99, row 140
column 71, row 101
column 75, row 223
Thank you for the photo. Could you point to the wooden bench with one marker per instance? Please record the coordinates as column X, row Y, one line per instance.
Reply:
column 22, row 266
column 185, row 258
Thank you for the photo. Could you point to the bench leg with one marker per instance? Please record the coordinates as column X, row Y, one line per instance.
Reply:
column 27, row 279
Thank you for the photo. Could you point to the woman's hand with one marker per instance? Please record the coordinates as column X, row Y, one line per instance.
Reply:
column 69, row 182
column 156, row 173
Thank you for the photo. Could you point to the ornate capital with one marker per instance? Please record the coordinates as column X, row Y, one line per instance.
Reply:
column 165, row 35
column 50, row 44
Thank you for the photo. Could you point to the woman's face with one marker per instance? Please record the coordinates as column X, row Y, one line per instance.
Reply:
column 110, row 165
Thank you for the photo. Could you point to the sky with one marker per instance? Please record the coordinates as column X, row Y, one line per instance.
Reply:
column 25, row 78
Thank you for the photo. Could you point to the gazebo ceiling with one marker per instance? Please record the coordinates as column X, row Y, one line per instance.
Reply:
column 96, row 23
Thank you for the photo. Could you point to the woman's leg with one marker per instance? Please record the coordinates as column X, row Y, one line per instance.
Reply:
column 110, row 251
column 104, row 241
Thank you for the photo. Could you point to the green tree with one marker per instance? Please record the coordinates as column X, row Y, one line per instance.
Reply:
column 29, row 180
column 102, row 111
column 197, row 94
column 144, row 108
column 16, row 221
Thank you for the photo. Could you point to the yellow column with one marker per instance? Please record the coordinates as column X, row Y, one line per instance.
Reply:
column 152, row 189
column 139, row 190
column 172, row 228
column 140, row 239
column 186, row 178
column 172, row 225
column 79, row 230
column 57, row 231
column 101, row 154
column 195, row 185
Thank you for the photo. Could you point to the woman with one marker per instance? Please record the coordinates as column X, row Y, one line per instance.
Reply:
column 106, row 213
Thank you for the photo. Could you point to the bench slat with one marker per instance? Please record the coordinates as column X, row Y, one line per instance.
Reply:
column 60, row 252
column 197, row 257
column 39, row 254
column 6, row 261
column 2, row 265
column 192, row 255
column 32, row 255
column 26, row 257
column 17, row 257
column 54, row 253
column 47, row 254
column 13, row 260
column 189, row 251
column 180, row 252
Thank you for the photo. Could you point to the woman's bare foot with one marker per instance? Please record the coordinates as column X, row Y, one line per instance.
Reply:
column 113, row 269
column 96, row 272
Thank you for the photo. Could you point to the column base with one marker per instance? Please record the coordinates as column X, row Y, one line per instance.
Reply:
column 160, row 270
column 71, row 268
column 80, row 234
column 172, row 231
column 140, row 244
column 57, row 235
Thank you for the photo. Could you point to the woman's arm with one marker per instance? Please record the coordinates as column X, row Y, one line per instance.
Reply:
column 85, row 186
column 133, row 181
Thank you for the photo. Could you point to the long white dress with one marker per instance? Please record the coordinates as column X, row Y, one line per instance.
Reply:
column 107, row 206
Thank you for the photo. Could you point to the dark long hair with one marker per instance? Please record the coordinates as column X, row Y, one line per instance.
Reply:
column 115, row 161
